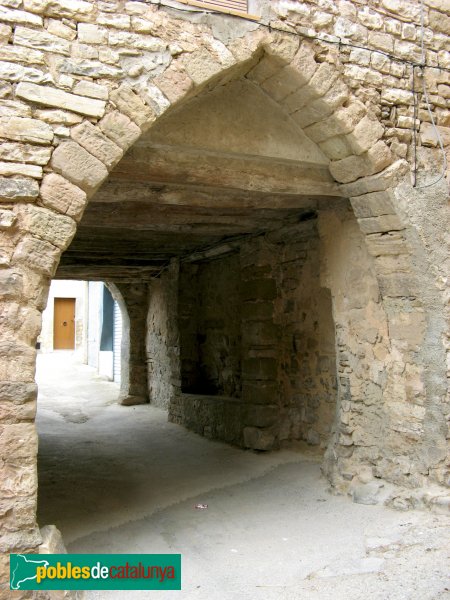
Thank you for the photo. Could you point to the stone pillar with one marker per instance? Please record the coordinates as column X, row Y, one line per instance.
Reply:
column 134, row 384
column 260, row 340
column 23, row 295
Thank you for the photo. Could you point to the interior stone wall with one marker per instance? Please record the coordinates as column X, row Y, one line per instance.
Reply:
column 209, row 309
column 161, row 333
column 267, row 303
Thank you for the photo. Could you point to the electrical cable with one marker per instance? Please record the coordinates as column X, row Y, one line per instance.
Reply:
column 427, row 101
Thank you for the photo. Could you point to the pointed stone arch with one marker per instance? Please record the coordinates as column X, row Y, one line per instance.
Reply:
column 306, row 80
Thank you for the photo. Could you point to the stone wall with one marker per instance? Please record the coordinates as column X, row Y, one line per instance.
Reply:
column 264, row 312
column 81, row 80
column 162, row 345
column 209, row 309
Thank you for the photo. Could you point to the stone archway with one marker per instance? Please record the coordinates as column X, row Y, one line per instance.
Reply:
column 43, row 222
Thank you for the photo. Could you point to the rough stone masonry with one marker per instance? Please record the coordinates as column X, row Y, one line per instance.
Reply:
column 316, row 306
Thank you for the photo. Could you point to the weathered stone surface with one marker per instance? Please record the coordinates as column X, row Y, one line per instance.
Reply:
column 95, row 142
column 38, row 255
column 39, row 155
column 17, row 440
column 58, row 117
column 89, row 68
column 10, row 168
column 61, row 195
column 373, row 204
column 379, row 182
column 15, row 72
column 88, row 33
column 13, row 108
column 79, row 166
column 19, row 17
column 60, row 99
column 52, row 542
column 131, row 105
column 18, row 482
column 11, row 284
column 93, row 90
column 258, row 439
column 381, row 224
column 135, row 40
column 365, row 135
column 61, row 8
column 352, row 168
column 18, row 189
column 41, row 40
column 120, row 129
column 23, row 129
column 48, row 226
column 7, row 218
column 342, row 121
column 22, row 55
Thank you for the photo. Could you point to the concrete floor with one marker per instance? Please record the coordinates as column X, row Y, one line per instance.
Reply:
column 122, row 479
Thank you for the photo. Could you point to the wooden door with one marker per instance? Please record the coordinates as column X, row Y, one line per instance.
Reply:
column 64, row 324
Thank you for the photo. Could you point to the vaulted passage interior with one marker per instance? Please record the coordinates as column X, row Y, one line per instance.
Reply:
column 209, row 229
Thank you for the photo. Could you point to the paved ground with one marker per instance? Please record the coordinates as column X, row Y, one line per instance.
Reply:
column 122, row 479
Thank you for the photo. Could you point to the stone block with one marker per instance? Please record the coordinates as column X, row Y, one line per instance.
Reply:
column 78, row 166
column 27, row 153
column 281, row 45
column 258, row 439
column 336, row 148
column 174, row 83
column 136, row 40
column 342, row 121
column 69, row 9
column 23, row 129
column 374, row 204
column 9, row 168
column 353, row 167
column 256, row 311
column 17, row 392
column 84, row 67
column 381, row 224
column 61, row 195
column 50, row 96
column 365, row 135
column 7, row 219
column 18, row 189
column 11, row 286
column 19, row 17
column 41, row 40
column 260, row 369
column 58, row 28
column 48, row 226
column 92, row 90
column 260, row 415
column 89, row 33
column 201, row 66
column 94, row 141
column 120, row 129
column 17, row 481
column 52, row 542
column 260, row 333
column 391, row 243
column 259, row 289
column 22, row 55
column 38, row 255
column 389, row 177
column 129, row 103
column 17, row 440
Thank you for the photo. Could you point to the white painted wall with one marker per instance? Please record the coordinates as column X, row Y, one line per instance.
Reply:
column 88, row 323
column 66, row 289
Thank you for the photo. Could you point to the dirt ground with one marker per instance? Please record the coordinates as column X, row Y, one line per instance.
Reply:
column 120, row 479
